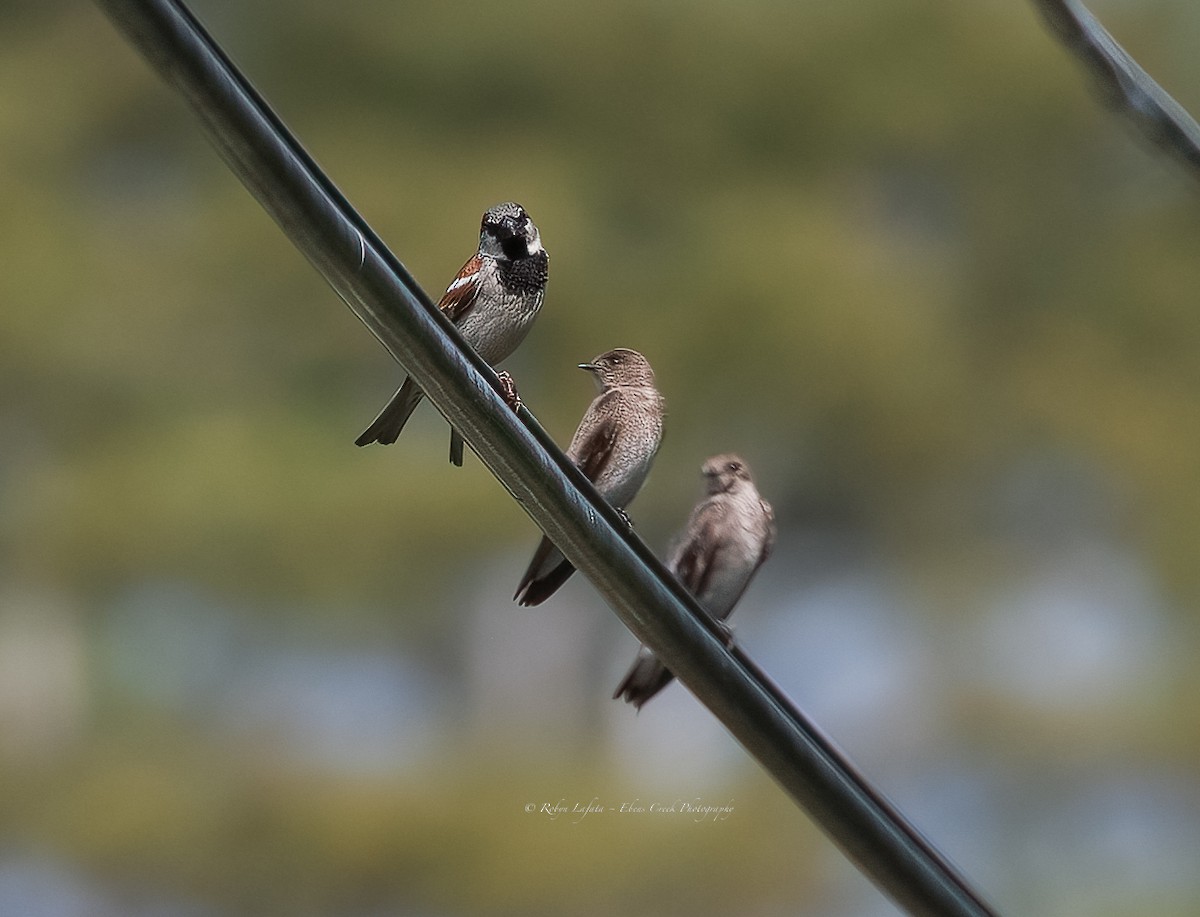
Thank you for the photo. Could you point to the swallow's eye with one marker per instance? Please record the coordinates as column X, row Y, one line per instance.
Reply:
column 733, row 467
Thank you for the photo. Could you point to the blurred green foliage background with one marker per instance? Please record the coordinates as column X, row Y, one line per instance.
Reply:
column 895, row 254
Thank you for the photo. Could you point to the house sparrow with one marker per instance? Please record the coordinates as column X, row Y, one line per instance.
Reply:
column 728, row 536
column 493, row 302
column 614, row 447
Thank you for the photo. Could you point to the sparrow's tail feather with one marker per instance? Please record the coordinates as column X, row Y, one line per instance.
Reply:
column 547, row 571
column 645, row 678
column 386, row 427
column 456, row 448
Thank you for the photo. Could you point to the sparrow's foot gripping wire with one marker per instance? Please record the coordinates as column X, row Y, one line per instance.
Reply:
column 508, row 390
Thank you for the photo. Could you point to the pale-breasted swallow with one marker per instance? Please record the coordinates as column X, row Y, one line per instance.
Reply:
column 614, row 447
column 728, row 536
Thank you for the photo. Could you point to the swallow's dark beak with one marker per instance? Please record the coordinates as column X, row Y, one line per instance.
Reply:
column 590, row 367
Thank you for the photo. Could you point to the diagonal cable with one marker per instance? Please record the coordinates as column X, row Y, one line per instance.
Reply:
column 368, row 277
column 1123, row 84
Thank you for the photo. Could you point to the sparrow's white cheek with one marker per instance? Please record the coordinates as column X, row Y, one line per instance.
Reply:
column 536, row 245
column 490, row 246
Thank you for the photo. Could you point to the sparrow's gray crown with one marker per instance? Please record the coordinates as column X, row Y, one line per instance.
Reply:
column 506, row 232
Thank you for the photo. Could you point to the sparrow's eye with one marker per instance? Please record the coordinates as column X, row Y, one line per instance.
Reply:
column 733, row 467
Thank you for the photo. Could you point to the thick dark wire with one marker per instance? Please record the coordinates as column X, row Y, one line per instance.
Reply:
column 319, row 221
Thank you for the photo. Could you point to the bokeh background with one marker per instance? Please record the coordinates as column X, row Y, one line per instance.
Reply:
column 897, row 254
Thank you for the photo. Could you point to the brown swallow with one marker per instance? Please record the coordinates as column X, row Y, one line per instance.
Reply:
column 614, row 447
column 728, row 536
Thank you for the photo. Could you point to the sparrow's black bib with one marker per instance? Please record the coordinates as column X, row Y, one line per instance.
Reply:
column 525, row 275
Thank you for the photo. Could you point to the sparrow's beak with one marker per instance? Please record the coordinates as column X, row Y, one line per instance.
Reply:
column 511, row 236
column 590, row 367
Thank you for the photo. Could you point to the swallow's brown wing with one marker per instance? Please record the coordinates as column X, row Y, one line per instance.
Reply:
column 460, row 296
column 591, row 450
column 769, row 541
column 592, row 447
column 694, row 559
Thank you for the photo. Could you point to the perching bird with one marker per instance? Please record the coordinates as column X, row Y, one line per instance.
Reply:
column 614, row 447
column 728, row 536
column 493, row 302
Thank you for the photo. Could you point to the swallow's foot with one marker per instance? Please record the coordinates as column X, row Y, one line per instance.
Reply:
column 508, row 391
column 726, row 633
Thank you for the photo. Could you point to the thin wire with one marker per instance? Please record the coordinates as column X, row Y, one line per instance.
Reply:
column 1123, row 84
column 323, row 226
